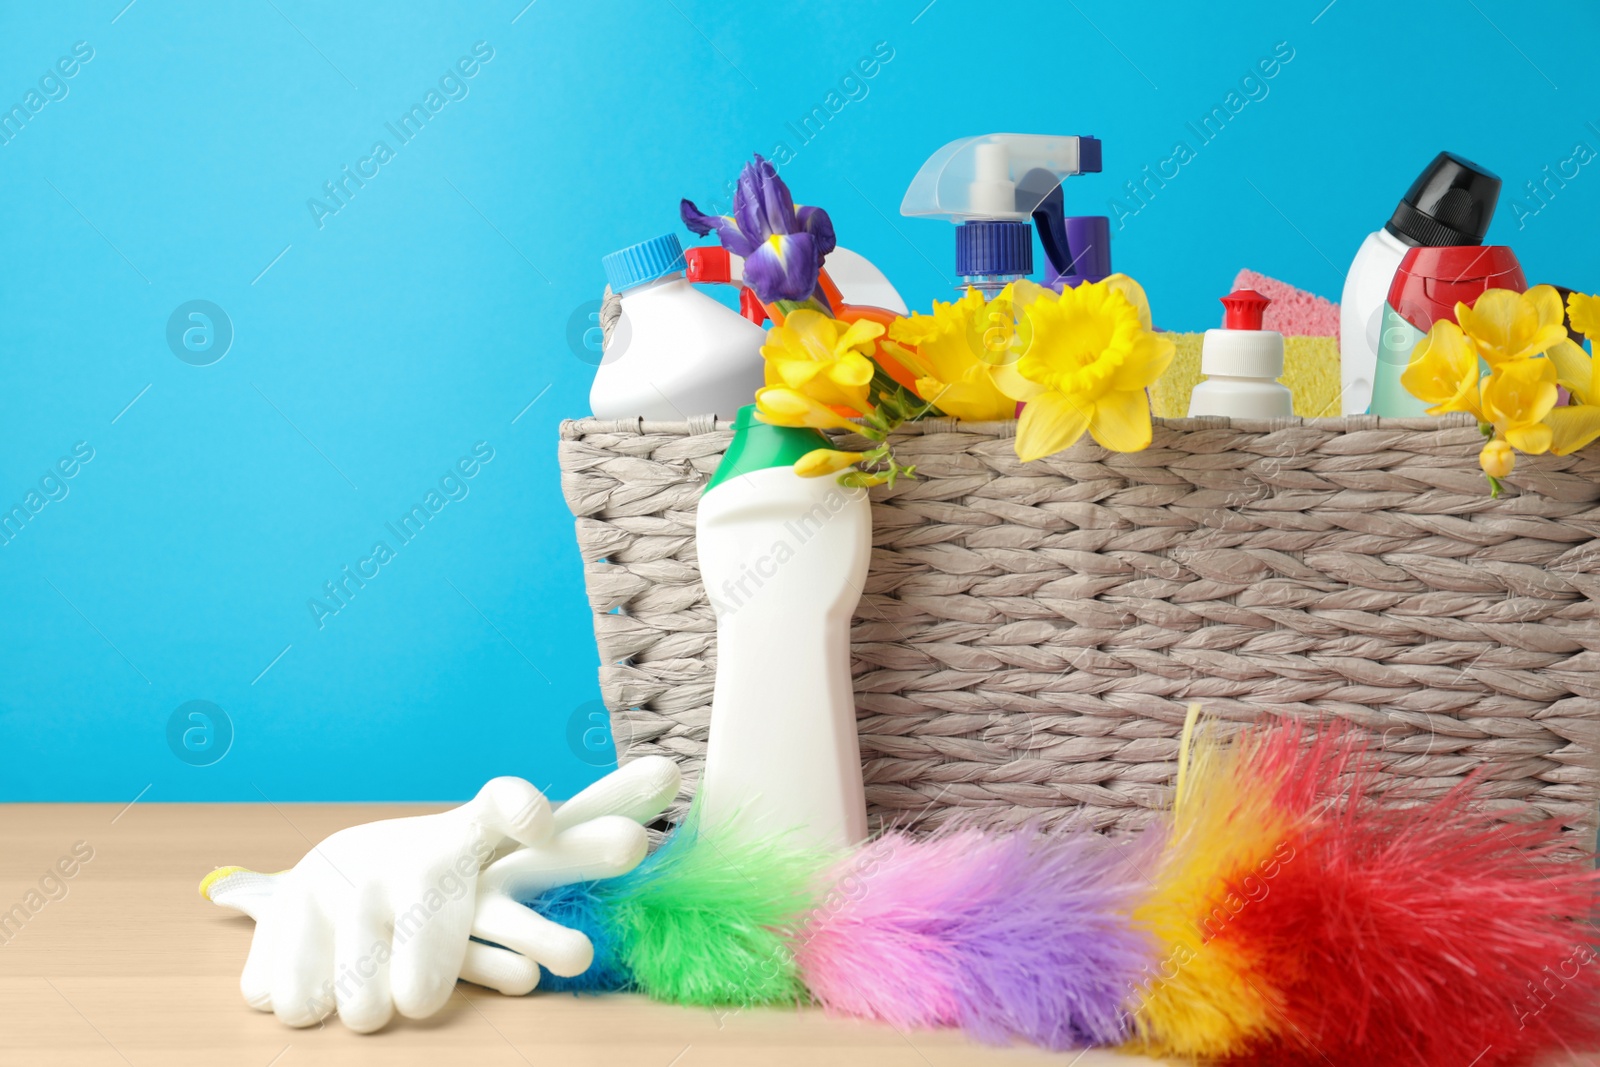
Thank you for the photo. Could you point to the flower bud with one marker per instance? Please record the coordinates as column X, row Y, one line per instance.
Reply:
column 822, row 461
column 1497, row 459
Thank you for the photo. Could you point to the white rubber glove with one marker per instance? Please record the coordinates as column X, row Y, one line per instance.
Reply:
column 592, row 831
column 376, row 918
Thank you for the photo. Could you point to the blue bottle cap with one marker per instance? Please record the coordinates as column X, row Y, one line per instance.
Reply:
column 994, row 247
column 646, row 261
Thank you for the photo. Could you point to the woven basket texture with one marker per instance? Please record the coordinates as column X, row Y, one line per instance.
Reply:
column 1030, row 634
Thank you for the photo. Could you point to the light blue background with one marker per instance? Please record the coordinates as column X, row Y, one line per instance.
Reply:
column 426, row 314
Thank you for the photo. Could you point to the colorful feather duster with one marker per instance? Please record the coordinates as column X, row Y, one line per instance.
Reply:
column 1021, row 934
column 1288, row 911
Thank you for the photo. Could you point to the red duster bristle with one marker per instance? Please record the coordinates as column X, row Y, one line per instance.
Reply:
column 1427, row 935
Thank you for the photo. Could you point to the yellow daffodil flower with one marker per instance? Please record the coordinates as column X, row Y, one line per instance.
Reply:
column 821, row 358
column 782, row 406
column 955, row 351
column 1443, row 371
column 1507, row 326
column 823, row 461
column 1092, row 354
column 1584, row 311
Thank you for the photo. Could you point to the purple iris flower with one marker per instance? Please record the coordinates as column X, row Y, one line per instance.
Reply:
column 782, row 245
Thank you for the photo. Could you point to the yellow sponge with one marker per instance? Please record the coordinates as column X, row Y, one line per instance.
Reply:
column 1310, row 370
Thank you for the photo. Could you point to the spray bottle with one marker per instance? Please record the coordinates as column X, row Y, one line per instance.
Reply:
column 783, row 559
column 1450, row 203
column 1427, row 288
column 990, row 186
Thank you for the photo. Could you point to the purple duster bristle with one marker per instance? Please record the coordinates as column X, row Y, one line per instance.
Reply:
column 1016, row 934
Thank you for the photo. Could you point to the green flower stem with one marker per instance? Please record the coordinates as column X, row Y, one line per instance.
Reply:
column 789, row 307
column 892, row 406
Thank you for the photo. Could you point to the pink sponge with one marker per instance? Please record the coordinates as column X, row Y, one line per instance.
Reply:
column 1292, row 311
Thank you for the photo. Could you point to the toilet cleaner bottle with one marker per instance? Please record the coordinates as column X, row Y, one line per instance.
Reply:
column 783, row 559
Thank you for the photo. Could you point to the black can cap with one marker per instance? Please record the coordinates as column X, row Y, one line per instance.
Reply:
column 1449, row 204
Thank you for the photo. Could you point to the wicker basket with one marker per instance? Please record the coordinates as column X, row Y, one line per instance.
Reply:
column 1030, row 635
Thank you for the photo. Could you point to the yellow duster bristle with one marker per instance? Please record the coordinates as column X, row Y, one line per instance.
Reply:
column 1200, row 1000
column 1310, row 370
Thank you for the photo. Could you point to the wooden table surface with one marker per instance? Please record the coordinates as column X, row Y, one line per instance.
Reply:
column 131, row 967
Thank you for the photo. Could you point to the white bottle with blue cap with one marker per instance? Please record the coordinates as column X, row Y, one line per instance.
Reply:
column 675, row 352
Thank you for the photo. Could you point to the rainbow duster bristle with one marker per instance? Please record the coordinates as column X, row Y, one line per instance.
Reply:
column 1427, row 936
column 706, row 919
column 582, row 907
column 1020, row 934
column 1311, row 918
column 1236, row 811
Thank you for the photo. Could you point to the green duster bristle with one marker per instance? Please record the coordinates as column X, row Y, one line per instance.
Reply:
column 708, row 917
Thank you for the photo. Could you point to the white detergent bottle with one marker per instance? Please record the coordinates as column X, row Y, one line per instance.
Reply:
column 784, row 559
column 675, row 352
column 1242, row 364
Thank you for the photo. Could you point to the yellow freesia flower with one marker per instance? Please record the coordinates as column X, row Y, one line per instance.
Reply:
column 1584, row 311
column 955, row 350
column 1516, row 398
column 1577, row 423
column 1092, row 354
column 1517, row 395
column 821, row 358
column 1506, row 325
column 1575, row 370
column 822, row 461
column 782, row 406
column 1572, row 427
column 1443, row 371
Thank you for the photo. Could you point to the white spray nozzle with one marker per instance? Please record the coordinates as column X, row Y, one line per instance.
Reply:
column 997, row 175
column 992, row 192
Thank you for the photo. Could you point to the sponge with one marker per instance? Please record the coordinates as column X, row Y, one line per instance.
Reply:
column 1292, row 311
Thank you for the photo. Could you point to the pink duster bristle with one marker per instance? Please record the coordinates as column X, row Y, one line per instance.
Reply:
column 1020, row 934
column 877, row 946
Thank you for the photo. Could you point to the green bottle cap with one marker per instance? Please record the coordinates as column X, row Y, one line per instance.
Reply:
column 758, row 445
